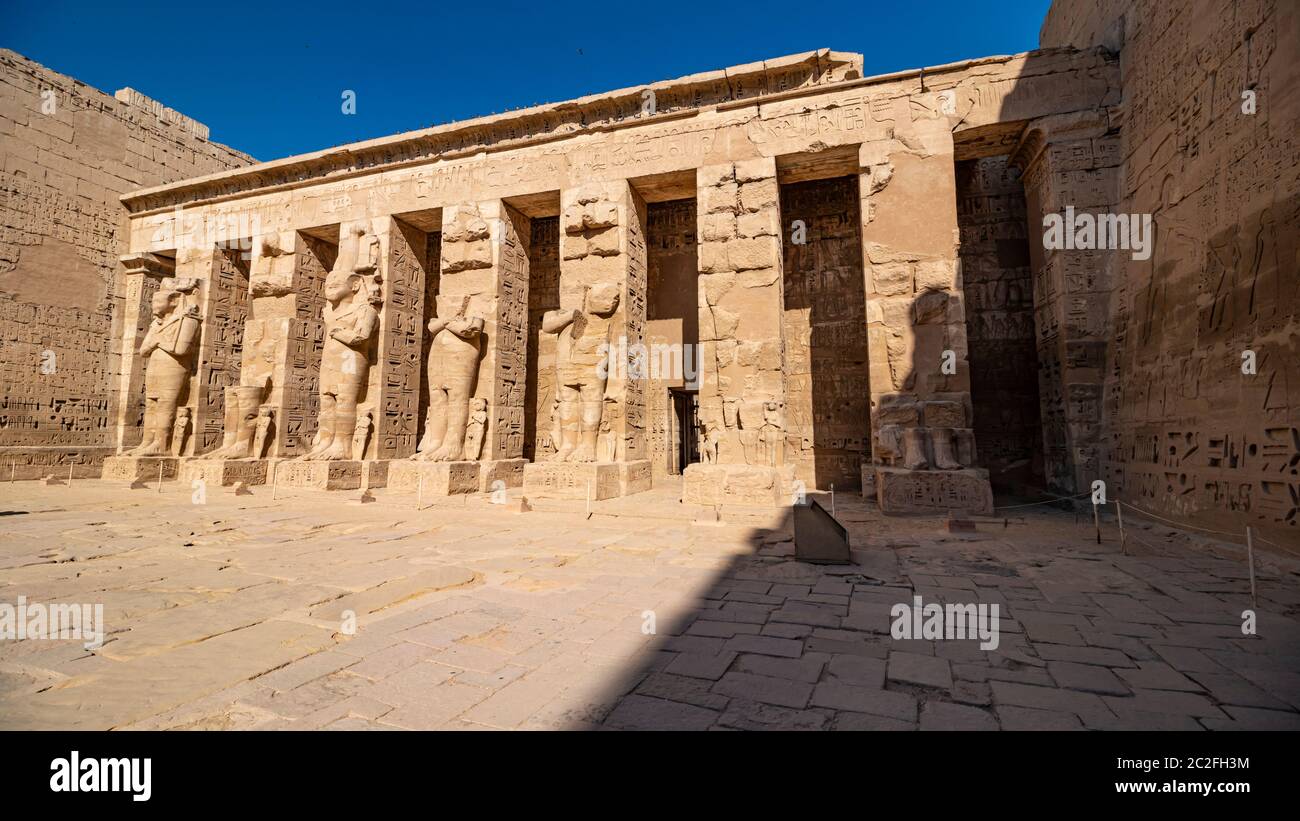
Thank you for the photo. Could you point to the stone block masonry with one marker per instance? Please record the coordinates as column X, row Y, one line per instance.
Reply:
column 67, row 153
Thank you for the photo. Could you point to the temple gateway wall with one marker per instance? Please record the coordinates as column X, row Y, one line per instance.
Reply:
column 433, row 308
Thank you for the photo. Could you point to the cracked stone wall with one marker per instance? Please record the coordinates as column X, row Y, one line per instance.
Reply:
column 1208, row 146
column 67, row 151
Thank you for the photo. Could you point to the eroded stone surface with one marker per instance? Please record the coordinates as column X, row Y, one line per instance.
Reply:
column 304, row 613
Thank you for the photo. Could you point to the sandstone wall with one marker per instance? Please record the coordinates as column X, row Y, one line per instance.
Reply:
column 67, row 152
column 1185, row 433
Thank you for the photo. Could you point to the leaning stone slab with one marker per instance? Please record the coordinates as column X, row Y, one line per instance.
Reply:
column 571, row 480
column 340, row 475
column 899, row 490
column 139, row 468
column 224, row 472
column 439, row 478
column 748, row 485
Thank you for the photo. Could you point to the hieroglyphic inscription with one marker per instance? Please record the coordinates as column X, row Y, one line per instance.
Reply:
column 999, row 319
column 827, row 390
column 227, row 309
column 543, row 296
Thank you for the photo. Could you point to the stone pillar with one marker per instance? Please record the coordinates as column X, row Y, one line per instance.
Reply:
column 294, row 284
column 225, row 312
column 480, row 327
column 1070, row 168
column 741, row 302
column 488, row 272
column 602, row 309
column 923, row 446
column 142, row 274
column 395, row 412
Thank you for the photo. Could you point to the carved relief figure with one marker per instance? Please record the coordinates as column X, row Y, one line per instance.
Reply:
column 179, row 430
column 477, row 426
column 709, row 441
column 360, row 434
column 351, row 292
column 452, row 372
column 265, row 419
column 770, row 435
column 169, row 347
column 581, row 346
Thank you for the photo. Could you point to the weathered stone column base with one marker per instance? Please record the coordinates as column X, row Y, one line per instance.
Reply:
column 19, row 463
column 375, row 472
column 139, row 468
column 868, row 481
column 509, row 471
column 749, row 485
column 340, row 475
column 571, row 480
column 225, row 472
column 899, row 490
column 439, row 478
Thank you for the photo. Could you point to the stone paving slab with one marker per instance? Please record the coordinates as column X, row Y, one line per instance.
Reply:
column 302, row 613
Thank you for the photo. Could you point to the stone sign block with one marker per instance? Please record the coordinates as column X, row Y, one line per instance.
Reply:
column 933, row 491
column 433, row 478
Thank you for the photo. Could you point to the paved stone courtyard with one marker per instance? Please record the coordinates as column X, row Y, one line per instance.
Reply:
column 230, row 615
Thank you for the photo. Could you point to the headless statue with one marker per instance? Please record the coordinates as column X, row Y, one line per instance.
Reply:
column 179, row 430
column 477, row 425
column 452, row 372
column 169, row 346
column 351, row 320
column 581, row 346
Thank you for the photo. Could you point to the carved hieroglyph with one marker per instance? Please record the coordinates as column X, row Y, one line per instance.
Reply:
column 352, row 290
column 169, row 346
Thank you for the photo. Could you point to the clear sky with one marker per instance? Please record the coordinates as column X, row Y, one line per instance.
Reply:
column 268, row 78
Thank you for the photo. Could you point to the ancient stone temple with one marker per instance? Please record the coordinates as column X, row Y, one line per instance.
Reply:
column 761, row 281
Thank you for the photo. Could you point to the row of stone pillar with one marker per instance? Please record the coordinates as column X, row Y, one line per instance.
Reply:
column 307, row 338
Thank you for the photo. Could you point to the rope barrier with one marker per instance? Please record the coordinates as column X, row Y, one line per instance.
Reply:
column 1141, row 512
column 1047, row 502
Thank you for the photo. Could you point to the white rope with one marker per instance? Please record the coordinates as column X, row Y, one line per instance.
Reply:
column 1047, row 502
column 1141, row 512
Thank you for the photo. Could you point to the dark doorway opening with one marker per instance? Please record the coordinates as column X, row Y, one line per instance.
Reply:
column 686, row 429
column 998, row 286
column 827, row 412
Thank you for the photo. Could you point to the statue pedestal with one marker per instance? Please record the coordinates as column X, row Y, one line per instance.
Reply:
column 509, row 471
column 224, row 472
column 339, row 475
column 899, row 490
column 375, row 472
column 570, row 480
column 139, row 468
column 749, row 485
column 433, row 478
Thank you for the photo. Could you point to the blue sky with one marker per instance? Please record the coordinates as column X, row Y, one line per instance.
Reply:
column 268, row 78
